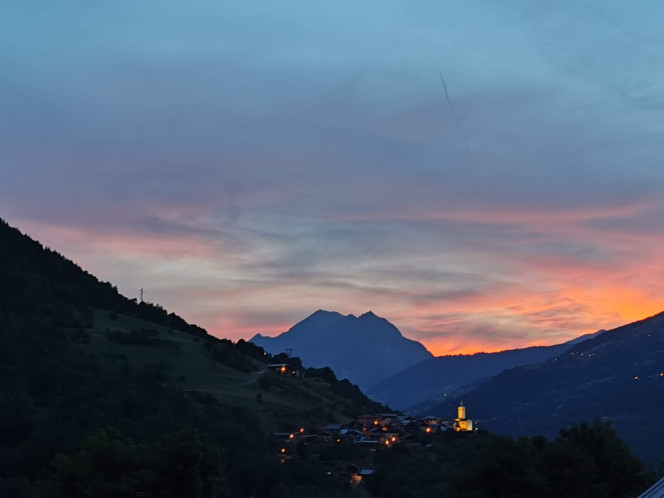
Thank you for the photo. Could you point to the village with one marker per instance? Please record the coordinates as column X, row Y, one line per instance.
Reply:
column 381, row 430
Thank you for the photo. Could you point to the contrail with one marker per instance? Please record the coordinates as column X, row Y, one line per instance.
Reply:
column 456, row 118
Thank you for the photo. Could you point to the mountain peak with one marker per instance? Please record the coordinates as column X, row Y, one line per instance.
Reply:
column 364, row 349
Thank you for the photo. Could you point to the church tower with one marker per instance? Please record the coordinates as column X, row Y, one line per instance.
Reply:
column 462, row 423
column 461, row 411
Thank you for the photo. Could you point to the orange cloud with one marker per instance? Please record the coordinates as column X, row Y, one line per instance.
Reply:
column 563, row 278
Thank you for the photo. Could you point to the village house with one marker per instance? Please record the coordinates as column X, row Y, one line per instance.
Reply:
column 284, row 369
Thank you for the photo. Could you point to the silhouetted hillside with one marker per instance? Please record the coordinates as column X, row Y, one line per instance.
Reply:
column 34, row 280
column 426, row 383
column 101, row 396
column 617, row 375
column 364, row 349
column 448, row 375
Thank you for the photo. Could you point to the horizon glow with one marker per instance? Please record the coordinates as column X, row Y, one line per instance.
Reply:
column 250, row 164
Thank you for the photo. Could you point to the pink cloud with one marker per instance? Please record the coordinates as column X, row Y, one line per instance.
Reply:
column 561, row 278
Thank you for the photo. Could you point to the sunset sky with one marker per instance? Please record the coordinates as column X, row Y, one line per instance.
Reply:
column 248, row 163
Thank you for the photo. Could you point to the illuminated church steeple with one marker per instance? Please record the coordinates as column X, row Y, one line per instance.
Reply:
column 462, row 423
column 461, row 411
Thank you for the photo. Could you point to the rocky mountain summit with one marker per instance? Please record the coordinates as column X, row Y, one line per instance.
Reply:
column 364, row 349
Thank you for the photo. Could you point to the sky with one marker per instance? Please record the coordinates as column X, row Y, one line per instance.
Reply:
column 485, row 175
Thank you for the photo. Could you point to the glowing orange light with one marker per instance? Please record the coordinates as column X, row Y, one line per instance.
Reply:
column 283, row 369
column 394, row 439
column 375, row 422
column 387, row 443
column 428, row 429
column 283, row 450
column 609, row 305
column 636, row 378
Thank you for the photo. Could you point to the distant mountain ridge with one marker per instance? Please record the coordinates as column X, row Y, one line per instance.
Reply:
column 449, row 375
column 617, row 375
column 452, row 374
column 364, row 349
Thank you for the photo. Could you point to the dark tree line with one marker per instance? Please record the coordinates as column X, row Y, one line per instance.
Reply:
column 35, row 280
column 584, row 461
